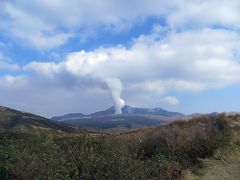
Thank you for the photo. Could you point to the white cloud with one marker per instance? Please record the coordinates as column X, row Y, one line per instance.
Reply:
column 202, row 13
column 169, row 100
column 48, row 24
column 180, row 57
column 32, row 30
column 198, row 59
column 197, row 50
column 149, row 70
column 34, row 96
column 9, row 81
column 184, row 60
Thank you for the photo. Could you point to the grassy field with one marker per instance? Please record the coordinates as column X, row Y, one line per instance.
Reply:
column 202, row 148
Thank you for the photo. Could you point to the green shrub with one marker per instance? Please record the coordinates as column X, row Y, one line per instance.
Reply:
column 156, row 153
column 6, row 161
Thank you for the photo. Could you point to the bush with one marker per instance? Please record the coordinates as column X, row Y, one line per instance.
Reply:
column 6, row 161
column 161, row 152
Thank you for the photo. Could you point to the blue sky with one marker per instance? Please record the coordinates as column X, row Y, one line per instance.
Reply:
column 82, row 56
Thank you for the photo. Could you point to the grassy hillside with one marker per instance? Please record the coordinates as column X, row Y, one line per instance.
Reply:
column 12, row 119
column 225, row 163
column 182, row 150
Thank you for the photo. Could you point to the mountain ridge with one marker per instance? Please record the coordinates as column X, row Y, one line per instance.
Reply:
column 12, row 119
column 125, row 110
column 131, row 118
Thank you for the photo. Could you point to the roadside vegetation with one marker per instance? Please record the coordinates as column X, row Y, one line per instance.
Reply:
column 180, row 150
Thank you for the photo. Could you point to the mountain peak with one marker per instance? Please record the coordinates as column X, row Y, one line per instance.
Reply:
column 127, row 110
column 131, row 118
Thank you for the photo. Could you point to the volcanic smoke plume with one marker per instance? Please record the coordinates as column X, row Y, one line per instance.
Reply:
column 115, row 86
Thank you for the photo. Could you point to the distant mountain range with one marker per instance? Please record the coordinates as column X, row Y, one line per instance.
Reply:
column 107, row 120
column 128, row 110
column 13, row 119
column 131, row 118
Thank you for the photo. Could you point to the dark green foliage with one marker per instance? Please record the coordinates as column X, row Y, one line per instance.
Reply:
column 6, row 161
column 3, row 165
column 160, row 153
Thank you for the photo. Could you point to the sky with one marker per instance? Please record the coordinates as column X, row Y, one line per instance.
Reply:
column 61, row 56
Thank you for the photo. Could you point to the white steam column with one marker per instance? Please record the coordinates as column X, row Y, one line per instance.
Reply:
column 115, row 85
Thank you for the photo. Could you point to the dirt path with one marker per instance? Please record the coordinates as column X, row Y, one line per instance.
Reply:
column 225, row 165
column 224, row 170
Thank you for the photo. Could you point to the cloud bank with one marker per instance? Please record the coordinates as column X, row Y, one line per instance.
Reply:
column 197, row 49
column 49, row 24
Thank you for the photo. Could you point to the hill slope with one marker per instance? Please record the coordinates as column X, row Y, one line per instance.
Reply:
column 10, row 119
column 207, row 147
